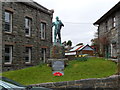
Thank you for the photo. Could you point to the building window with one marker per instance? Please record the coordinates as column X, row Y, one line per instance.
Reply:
column 28, row 25
column 8, row 21
column 8, row 54
column 106, row 26
column 43, row 53
column 114, row 22
column 28, row 54
column 43, row 29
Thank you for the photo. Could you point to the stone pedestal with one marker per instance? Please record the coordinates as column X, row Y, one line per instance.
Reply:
column 57, row 52
column 57, row 58
column 58, row 65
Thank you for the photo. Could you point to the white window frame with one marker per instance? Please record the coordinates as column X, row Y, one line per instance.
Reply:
column 114, row 22
column 10, row 21
column 28, row 25
column 43, row 30
column 29, row 54
column 9, row 54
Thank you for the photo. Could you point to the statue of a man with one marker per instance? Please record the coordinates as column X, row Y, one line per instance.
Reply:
column 58, row 25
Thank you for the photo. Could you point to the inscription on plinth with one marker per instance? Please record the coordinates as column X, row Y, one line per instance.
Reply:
column 58, row 65
column 57, row 52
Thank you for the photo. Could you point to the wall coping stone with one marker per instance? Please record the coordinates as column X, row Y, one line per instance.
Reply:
column 87, row 83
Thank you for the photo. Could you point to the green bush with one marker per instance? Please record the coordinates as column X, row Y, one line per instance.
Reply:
column 41, row 64
column 81, row 58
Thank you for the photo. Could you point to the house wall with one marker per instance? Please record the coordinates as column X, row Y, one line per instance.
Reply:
column 109, row 34
column 89, row 52
column 70, row 57
column 0, row 37
column 18, row 39
column 118, row 45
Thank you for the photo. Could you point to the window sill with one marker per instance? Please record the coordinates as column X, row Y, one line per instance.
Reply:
column 7, row 64
column 28, row 64
column 43, row 39
column 9, row 33
column 113, row 28
column 28, row 36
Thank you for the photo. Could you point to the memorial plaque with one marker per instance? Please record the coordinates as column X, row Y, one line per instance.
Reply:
column 57, row 65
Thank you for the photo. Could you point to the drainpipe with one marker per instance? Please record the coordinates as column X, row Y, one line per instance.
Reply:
column 111, row 50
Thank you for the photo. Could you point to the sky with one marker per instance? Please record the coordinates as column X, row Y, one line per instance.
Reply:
column 78, row 17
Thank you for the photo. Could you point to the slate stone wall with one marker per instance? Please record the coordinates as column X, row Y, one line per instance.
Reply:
column 109, row 83
column 0, row 37
column 118, row 42
column 108, row 34
column 18, row 39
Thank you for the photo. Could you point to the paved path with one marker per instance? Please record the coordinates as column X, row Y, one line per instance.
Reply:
column 115, row 60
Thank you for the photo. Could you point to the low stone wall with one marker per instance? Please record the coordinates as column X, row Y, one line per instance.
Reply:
column 109, row 83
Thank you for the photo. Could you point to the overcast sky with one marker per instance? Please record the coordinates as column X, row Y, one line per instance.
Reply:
column 78, row 17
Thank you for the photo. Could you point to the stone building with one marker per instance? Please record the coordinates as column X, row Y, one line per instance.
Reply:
column 108, row 32
column 26, row 34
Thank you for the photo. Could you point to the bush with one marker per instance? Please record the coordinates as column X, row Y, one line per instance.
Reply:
column 41, row 64
column 81, row 58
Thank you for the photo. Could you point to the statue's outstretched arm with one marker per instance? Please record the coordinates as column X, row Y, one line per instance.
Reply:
column 62, row 24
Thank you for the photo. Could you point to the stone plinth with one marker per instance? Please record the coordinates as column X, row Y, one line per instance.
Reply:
column 53, row 59
column 58, row 65
column 57, row 59
column 57, row 52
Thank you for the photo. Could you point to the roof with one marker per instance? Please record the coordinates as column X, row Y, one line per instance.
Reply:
column 76, row 48
column 81, row 47
column 87, row 47
column 38, row 6
column 109, row 13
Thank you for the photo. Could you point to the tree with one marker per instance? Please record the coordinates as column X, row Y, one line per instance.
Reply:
column 69, row 43
column 95, row 43
column 79, row 44
column 64, row 43
column 104, row 42
column 95, row 40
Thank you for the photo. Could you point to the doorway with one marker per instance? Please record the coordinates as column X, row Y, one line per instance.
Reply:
column 44, row 55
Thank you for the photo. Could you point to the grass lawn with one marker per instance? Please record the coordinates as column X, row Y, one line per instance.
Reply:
column 93, row 68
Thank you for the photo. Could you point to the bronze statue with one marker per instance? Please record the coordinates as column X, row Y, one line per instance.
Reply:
column 58, row 25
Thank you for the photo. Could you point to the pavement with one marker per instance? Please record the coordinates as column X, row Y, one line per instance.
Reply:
column 114, row 60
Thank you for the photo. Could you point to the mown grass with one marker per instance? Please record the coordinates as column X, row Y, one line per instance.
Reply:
column 93, row 68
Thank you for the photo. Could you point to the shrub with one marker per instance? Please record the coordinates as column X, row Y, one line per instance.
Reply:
column 81, row 58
